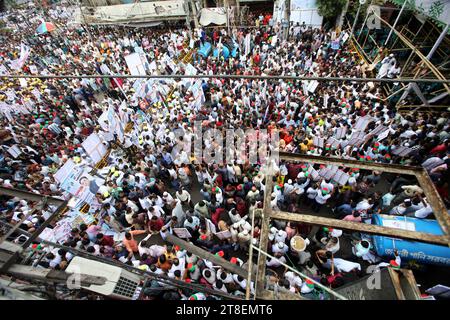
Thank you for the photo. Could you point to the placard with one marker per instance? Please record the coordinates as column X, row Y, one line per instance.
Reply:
column 340, row 133
column 14, row 151
column 223, row 235
column 318, row 142
column 341, row 177
column 402, row 151
column 182, row 233
column 3, row 69
column 136, row 64
column 94, row 147
column 64, row 171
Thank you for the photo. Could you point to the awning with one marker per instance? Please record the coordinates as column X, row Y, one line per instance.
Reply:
column 213, row 15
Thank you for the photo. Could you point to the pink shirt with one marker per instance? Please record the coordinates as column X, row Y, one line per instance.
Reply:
column 352, row 218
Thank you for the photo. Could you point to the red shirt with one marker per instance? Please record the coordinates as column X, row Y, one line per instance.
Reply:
column 219, row 180
column 215, row 216
column 156, row 225
column 438, row 149
column 241, row 208
column 107, row 241
column 256, row 58
column 293, row 170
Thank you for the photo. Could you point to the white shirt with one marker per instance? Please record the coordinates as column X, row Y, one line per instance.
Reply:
column 312, row 193
column 363, row 205
column 280, row 236
column 184, row 196
column 228, row 279
column 156, row 251
column 329, row 186
column 342, row 265
column 293, row 279
column 277, row 249
column 423, row 212
column 322, row 199
column 275, row 263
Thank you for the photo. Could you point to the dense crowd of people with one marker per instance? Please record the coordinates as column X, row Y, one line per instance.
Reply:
column 148, row 190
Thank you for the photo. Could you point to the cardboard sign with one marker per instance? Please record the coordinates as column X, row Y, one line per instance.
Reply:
column 3, row 69
column 362, row 123
column 318, row 142
column 136, row 64
column 312, row 86
column 36, row 93
column 210, row 226
column 402, row 151
column 341, row 177
column 383, row 135
column 223, row 235
column 340, row 133
column 378, row 130
column 182, row 233
column 14, row 151
column 312, row 173
column 333, row 142
column 64, row 171
column 47, row 235
column 94, row 147
column 33, row 69
column 10, row 95
column 345, row 37
column 328, row 172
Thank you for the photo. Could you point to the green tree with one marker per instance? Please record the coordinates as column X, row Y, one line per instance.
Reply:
column 330, row 9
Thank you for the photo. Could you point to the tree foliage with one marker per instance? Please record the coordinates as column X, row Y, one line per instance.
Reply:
column 330, row 8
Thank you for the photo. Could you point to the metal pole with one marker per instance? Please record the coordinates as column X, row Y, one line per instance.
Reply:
column 11, row 192
column 159, row 277
column 250, row 261
column 225, row 3
column 337, row 295
column 395, row 23
column 365, row 20
column 342, row 16
column 34, row 236
column 356, row 19
column 86, row 27
column 205, row 255
column 38, row 206
column 438, row 42
column 429, row 55
column 264, row 237
column 194, row 11
column 188, row 17
column 222, row 76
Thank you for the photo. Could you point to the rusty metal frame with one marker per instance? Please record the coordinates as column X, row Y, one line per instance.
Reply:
column 424, row 180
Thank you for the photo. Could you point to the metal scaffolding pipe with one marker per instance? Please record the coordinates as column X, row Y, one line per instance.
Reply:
column 11, row 192
column 223, row 76
column 33, row 236
column 151, row 275
column 438, row 42
column 337, row 295
column 356, row 19
column 395, row 23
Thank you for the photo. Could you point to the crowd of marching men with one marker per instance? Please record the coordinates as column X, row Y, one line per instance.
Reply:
column 148, row 191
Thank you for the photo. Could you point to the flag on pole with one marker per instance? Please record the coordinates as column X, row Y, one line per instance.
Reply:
column 18, row 63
